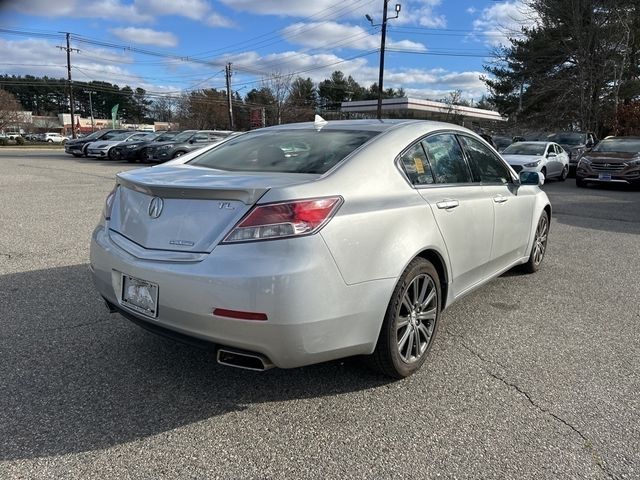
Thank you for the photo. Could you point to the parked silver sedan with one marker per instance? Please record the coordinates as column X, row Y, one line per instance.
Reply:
column 351, row 244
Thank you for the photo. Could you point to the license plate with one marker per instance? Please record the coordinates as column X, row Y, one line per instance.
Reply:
column 605, row 177
column 140, row 295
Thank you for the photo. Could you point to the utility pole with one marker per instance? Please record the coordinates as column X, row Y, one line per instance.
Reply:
column 382, row 45
column 227, row 69
column 90, row 108
column 68, row 49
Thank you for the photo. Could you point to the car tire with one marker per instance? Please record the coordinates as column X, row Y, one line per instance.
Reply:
column 49, row 141
column 543, row 171
column 112, row 154
column 178, row 154
column 410, row 322
column 77, row 155
column 84, row 150
column 564, row 174
column 580, row 183
column 539, row 247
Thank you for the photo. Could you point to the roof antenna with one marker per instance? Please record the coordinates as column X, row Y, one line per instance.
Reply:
column 319, row 122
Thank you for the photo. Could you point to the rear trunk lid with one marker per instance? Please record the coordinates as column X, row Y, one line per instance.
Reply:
column 187, row 209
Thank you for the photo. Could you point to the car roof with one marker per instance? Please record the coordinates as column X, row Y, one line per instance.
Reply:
column 368, row 124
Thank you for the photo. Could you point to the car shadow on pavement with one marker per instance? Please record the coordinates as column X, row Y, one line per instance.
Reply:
column 75, row 378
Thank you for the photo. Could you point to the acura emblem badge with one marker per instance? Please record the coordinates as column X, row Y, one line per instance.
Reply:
column 155, row 207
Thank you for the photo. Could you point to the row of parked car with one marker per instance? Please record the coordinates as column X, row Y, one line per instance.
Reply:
column 612, row 160
column 137, row 146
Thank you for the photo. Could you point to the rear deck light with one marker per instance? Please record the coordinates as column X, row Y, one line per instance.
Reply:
column 223, row 312
column 285, row 219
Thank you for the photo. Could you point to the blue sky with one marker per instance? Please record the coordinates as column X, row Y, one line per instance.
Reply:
column 434, row 47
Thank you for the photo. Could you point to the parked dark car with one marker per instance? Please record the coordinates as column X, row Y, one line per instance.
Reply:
column 613, row 160
column 136, row 151
column 575, row 143
column 502, row 142
column 185, row 142
column 78, row 146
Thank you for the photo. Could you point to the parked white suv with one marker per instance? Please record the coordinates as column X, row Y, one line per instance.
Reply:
column 51, row 137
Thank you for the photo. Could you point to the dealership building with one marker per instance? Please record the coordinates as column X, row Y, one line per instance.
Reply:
column 415, row 108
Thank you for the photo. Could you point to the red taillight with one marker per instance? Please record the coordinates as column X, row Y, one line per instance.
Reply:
column 108, row 203
column 286, row 219
column 223, row 312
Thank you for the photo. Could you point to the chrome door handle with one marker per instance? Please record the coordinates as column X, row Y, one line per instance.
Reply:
column 500, row 199
column 447, row 204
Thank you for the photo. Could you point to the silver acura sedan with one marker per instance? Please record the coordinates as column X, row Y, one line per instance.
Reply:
column 303, row 243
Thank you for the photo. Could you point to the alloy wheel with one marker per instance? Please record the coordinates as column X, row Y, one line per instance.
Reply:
column 416, row 318
column 540, row 240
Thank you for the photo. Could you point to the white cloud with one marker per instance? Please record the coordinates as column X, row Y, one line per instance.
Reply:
column 146, row 36
column 324, row 9
column 194, row 9
column 502, row 20
column 422, row 83
column 339, row 36
column 413, row 11
column 40, row 57
column 139, row 11
column 107, row 9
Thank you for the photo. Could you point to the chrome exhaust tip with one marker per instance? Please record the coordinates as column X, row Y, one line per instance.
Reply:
column 245, row 360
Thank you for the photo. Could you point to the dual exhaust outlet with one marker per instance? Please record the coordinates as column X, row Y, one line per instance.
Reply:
column 241, row 359
column 229, row 357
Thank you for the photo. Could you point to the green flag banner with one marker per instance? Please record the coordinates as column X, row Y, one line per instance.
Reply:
column 114, row 114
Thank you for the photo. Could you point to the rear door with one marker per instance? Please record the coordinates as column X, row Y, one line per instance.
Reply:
column 463, row 213
column 513, row 210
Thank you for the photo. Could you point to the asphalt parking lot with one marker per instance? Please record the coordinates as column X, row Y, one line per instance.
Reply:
column 531, row 376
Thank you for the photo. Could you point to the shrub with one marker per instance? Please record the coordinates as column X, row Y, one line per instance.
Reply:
column 4, row 142
column 20, row 141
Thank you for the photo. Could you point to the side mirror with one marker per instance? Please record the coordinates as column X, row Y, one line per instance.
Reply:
column 589, row 144
column 551, row 154
column 531, row 178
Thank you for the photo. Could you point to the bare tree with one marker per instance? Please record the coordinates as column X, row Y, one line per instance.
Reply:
column 10, row 110
column 280, row 86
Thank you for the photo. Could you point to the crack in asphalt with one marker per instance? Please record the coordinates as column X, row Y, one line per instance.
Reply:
column 597, row 458
column 472, row 351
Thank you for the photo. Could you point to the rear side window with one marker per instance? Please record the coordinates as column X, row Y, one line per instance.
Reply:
column 416, row 166
column 485, row 165
column 446, row 158
column 284, row 151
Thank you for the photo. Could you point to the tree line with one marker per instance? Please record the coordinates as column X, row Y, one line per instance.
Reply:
column 279, row 98
column 577, row 68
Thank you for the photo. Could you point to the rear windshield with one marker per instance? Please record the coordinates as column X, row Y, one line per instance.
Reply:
column 525, row 149
column 627, row 145
column 568, row 138
column 285, row 151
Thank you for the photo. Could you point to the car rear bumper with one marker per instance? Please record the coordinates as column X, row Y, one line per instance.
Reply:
column 312, row 315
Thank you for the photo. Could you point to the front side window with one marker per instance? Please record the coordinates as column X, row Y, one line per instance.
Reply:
column 446, row 159
column 416, row 166
column 485, row 165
